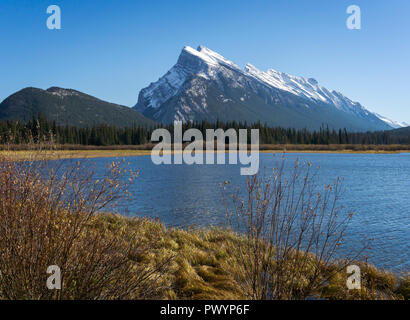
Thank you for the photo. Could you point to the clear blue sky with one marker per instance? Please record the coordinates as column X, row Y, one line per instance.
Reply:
column 112, row 49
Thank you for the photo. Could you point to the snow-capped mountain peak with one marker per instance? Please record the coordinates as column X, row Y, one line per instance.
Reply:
column 207, row 56
column 202, row 80
column 216, row 57
column 202, row 62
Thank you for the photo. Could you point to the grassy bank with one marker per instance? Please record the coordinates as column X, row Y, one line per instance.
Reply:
column 195, row 264
column 76, row 154
column 21, row 152
column 262, row 147
column 203, row 266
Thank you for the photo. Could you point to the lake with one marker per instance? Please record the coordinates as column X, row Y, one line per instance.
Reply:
column 377, row 189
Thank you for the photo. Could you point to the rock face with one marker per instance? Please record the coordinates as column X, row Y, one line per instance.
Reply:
column 68, row 107
column 203, row 85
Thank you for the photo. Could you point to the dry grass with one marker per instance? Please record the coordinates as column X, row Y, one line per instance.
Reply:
column 21, row 152
column 20, row 155
column 80, row 154
column 203, row 267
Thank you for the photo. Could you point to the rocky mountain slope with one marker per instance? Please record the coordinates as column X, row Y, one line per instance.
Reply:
column 203, row 85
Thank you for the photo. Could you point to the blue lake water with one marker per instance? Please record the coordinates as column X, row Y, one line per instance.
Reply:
column 377, row 189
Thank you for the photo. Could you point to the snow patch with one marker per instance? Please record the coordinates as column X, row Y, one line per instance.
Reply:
column 392, row 123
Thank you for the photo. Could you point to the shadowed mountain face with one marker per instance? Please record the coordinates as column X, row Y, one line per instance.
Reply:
column 203, row 85
column 68, row 107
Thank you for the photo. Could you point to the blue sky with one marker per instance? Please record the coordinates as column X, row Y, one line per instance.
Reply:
column 112, row 49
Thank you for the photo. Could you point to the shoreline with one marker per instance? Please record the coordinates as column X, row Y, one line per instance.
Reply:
column 112, row 153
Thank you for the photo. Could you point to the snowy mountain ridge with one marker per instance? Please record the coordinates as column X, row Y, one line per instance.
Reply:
column 207, row 66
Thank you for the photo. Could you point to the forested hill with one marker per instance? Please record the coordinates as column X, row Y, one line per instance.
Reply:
column 68, row 107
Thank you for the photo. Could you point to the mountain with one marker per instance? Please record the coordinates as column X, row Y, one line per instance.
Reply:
column 68, row 107
column 203, row 85
column 393, row 124
column 401, row 132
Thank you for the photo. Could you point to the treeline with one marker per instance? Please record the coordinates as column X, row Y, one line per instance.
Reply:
column 16, row 132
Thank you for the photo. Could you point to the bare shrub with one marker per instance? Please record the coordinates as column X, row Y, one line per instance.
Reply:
column 46, row 218
column 293, row 229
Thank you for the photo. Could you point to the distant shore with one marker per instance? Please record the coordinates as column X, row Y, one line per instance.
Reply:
column 77, row 151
